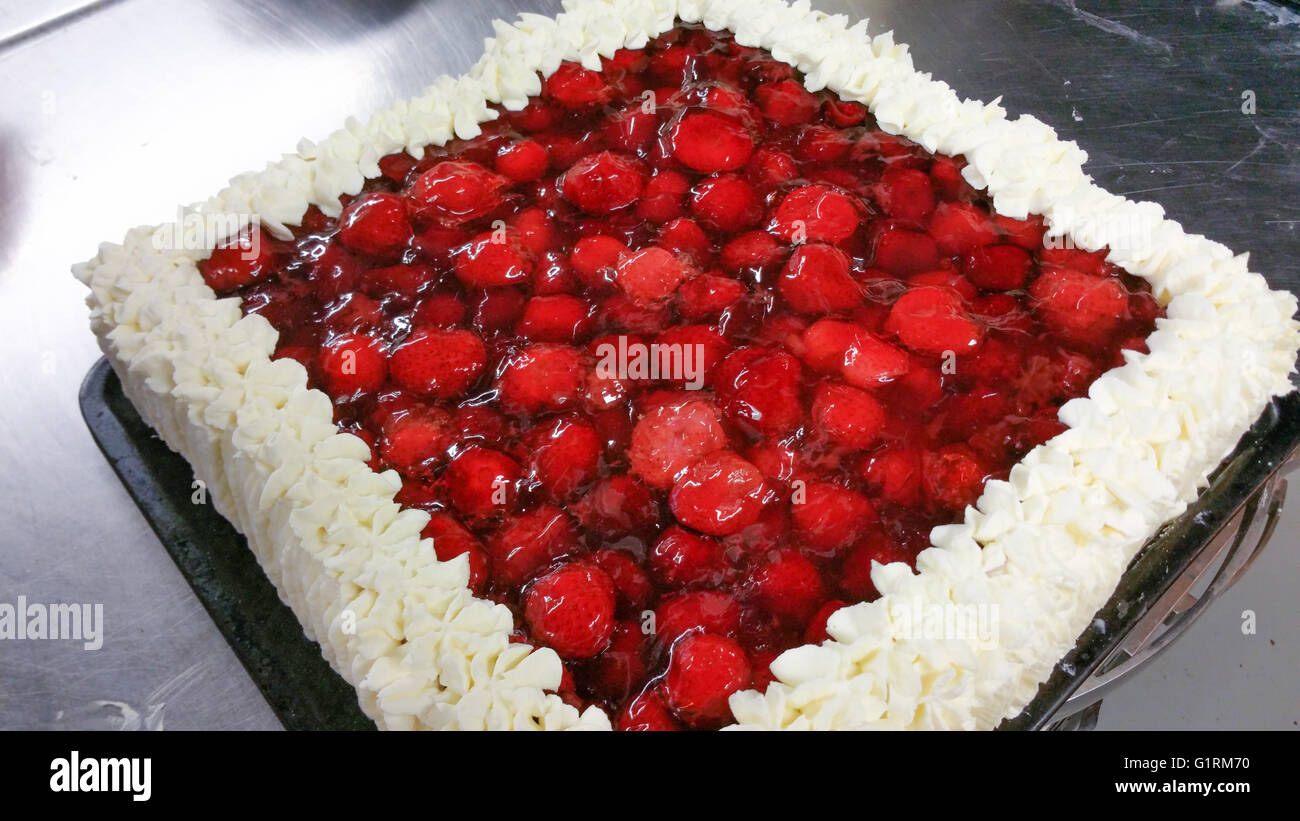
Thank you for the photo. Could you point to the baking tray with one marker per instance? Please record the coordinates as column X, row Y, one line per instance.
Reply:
column 307, row 694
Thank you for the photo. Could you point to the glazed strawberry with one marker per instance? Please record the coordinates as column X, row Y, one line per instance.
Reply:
column 830, row 517
column 769, row 169
column 816, row 633
column 633, row 585
column 816, row 280
column 726, row 203
column 905, row 252
column 563, row 455
column 952, row 477
column 451, row 539
column 238, row 262
column 575, row 87
column 849, row 417
column 895, row 474
column 482, row 482
column 1074, row 259
column 855, row 575
column 1080, row 307
column 685, row 240
column 815, row 213
column 709, row 142
column 571, row 610
column 720, row 494
column 822, row 145
column 752, row 251
column 932, row 320
column 542, row 377
column 707, row 296
column 602, row 183
column 416, row 442
column 621, row 668
column 495, row 310
column 455, row 191
column 998, row 267
column 683, row 559
column 647, row 712
column 702, row 674
column 843, row 113
column 492, row 259
column 789, row 587
column 438, row 363
column 650, row 275
column 760, row 388
column 959, row 227
column 905, row 194
column 396, row 279
column 664, row 197
column 630, row 130
column 529, row 542
column 557, row 318
column 352, row 364
column 595, row 259
column 786, row 102
column 522, row 161
column 709, row 611
column 375, row 224
column 672, row 437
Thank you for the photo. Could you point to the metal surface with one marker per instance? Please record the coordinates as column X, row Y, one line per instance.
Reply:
column 110, row 117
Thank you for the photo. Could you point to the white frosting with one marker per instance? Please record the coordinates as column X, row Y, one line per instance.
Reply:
column 1044, row 549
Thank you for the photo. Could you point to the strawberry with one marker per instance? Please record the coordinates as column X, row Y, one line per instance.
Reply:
column 905, row 194
column 831, row 517
column 703, row 671
column 894, row 473
column 664, row 197
column 496, row 309
column 710, row 611
column 706, row 296
column 686, row 240
column 455, row 191
column 847, row 416
column 786, row 102
column 620, row 668
column 397, row 279
column 522, row 161
column 952, row 477
column 904, row 252
column 932, row 320
column 726, row 203
column 683, row 559
column 998, row 267
column 571, row 610
column 709, row 142
column 1081, row 308
column 492, row 259
column 352, row 364
column 959, row 227
column 650, row 275
column 482, row 483
column 602, row 183
column 542, row 377
column 631, row 129
column 719, row 494
column 816, row 213
column 634, row 588
column 816, row 280
column 759, row 388
column 574, row 87
column 842, row 113
column 557, row 318
column 822, row 145
column 563, row 455
column 946, row 278
column 529, row 542
column 752, row 251
column 237, row 262
column 375, row 224
column 416, row 442
column 438, row 363
column 769, row 169
column 647, row 712
column 671, row 438
column 594, row 260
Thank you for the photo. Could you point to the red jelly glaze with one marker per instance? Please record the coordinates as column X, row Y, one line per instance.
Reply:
column 875, row 344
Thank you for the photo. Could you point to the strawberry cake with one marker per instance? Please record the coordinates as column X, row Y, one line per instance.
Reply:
column 921, row 362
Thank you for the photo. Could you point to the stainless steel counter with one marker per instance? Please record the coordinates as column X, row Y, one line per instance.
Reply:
column 113, row 112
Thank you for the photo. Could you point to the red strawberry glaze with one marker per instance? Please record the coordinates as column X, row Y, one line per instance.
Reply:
column 871, row 342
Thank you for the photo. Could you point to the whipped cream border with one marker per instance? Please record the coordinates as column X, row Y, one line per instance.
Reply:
column 1044, row 549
